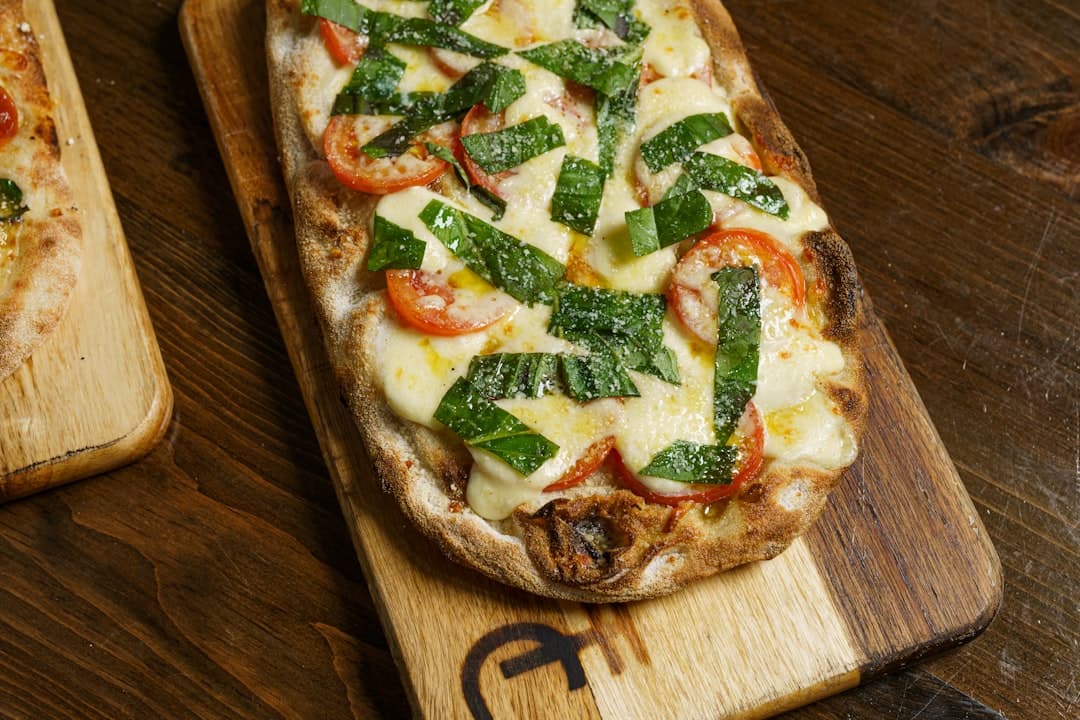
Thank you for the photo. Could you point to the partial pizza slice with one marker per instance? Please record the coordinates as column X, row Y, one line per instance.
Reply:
column 40, row 234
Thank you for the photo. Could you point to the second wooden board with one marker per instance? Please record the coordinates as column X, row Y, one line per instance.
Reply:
column 898, row 566
column 95, row 395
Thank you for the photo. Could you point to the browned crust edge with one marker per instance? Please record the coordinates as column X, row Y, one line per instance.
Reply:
column 43, row 279
column 581, row 546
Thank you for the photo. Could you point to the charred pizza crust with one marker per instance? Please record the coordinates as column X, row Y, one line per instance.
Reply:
column 595, row 542
column 41, row 266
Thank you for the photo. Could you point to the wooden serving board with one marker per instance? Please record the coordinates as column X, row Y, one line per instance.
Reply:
column 899, row 565
column 95, row 395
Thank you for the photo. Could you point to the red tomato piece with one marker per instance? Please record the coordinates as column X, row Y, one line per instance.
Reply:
column 344, row 45
column 9, row 117
column 689, row 294
column 430, row 303
column 451, row 64
column 649, row 74
column 590, row 460
column 751, row 443
column 482, row 120
column 345, row 137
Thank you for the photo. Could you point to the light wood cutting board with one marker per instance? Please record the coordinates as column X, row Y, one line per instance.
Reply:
column 95, row 395
column 899, row 565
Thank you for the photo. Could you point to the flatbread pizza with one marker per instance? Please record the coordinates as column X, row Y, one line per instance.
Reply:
column 574, row 279
column 40, row 237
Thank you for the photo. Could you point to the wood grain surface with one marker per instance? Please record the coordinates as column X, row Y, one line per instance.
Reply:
column 95, row 395
column 216, row 578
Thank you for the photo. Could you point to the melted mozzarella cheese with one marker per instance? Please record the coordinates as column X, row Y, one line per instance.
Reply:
column 495, row 489
column 665, row 101
column 674, row 47
column 804, row 216
column 609, row 252
column 415, row 370
column 812, row 432
column 789, row 367
column 521, row 23
column 665, row 413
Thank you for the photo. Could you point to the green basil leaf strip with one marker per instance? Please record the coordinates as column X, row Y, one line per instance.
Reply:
column 486, row 83
column 484, row 425
column 533, row 375
column 690, row 462
column 668, row 222
column 515, row 267
column 512, row 375
column 615, row 117
column 400, row 136
column 594, row 376
column 490, row 200
column 596, row 68
column 384, row 27
column 375, row 77
column 628, row 326
column 494, row 85
column 659, row 362
column 343, row 12
column 513, row 145
column 615, row 14
column 678, row 141
column 712, row 172
column 424, row 32
column 606, row 11
column 394, row 247
column 578, row 193
column 683, row 184
column 395, row 104
column 453, row 12
column 11, row 201
column 737, row 347
column 493, row 202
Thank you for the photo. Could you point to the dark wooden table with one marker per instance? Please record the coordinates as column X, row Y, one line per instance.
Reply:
column 215, row 579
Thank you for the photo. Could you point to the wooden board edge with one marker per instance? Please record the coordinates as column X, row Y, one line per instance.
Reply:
column 983, row 580
column 826, row 688
column 96, row 459
column 991, row 591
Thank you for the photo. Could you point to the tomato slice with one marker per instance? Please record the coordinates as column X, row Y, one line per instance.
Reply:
column 691, row 293
column 751, row 435
column 744, row 152
column 9, row 117
column 347, row 134
column 649, row 74
column 575, row 104
column 481, row 120
column 451, row 64
column 590, row 460
column 429, row 302
column 344, row 45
